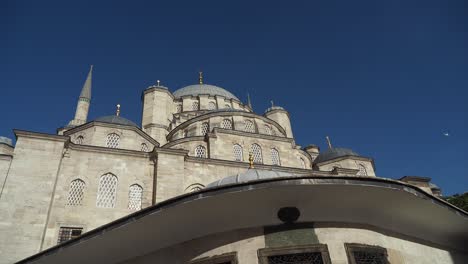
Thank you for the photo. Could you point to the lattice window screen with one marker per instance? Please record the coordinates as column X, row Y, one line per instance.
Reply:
column 76, row 193
column 256, row 153
column 226, row 124
column 205, row 127
column 303, row 163
column 144, row 147
column 178, row 108
column 362, row 170
column 298, row 258
column 68, row 233
column 268, row 130
column 195, row 106
column 107, row 191
column 200, row 152
column 135, row 194
column 211, row 106
column 238, row 153
column 275, row 159
column 368, row 257
column 79, row 140
column 113, row 140
column 249, row 126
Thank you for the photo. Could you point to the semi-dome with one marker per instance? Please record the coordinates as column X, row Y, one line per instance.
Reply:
column 198, row 89
column 333, row 153
column 250, row 175
column 113, row 119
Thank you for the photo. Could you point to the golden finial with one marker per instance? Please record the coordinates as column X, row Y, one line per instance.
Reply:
column 251, row 161
column 118, row 110
column 328, row 141
column 200, row 77
column 158, row 82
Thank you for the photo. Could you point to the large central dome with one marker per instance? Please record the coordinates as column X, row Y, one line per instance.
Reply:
column 198, row 89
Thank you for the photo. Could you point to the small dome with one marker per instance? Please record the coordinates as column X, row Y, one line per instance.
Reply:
column 250, row 175
column 274, row 108
column 333, row 153
column 116, row 120
column 198, row 89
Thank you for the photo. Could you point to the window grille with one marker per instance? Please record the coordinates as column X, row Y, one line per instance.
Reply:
column 68, row 233
column 211, row 106
column 362, row 170
column 135, row 195
column 107, row 191
column 144, row 147
column 298, row 258
column 79, row 140
column 268, row 130
column 226, row 124
column 113, row 140
column 76, row 193
column 303, row 163
column 238, row 153
column 205, row 127
column 227, row 106
column 275, row 159
column 226, row 258
column 195, row 106
column 178, row 108
column 200, row 151
column 249, row 126
column 365, row 254
column 256, row 153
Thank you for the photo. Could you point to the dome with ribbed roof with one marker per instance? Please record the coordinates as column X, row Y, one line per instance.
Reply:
column 198, row 89
column 250, row 175
column 113, row 119
column 333, row 153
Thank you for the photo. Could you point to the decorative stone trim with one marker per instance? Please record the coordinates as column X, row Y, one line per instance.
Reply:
column 155, row 88
column 96, row 149
column 254, row 135
column 264, row 253
column 37, row 135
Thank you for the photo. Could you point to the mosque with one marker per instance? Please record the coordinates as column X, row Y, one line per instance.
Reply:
column 206, row 180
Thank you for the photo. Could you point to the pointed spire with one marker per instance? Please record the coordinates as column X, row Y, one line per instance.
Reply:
column 249, row 104
column 117, row 113
column 86, row 91
column 329, row 142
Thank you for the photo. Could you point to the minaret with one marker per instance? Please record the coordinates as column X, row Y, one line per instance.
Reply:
column 82, row 108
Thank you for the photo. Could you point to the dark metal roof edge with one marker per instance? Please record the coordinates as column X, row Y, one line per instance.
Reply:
column 215, row 190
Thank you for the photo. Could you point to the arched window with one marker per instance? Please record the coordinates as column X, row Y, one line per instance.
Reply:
column 211, row 106
column 179, row 108
column 194, row 187
column 362, row 170
column 113, row 140
column 200, row 151
column 79, row 140
column 256, row 153
column 227, row 106
column 249, row 126
column 238, row 153
column 144, row 147
column 107, row 191
column 303, row 163
column 205, row 127
column 135, row 195
column 275, row 159
column 195, row 106
column 226, row 124
column 76, row 193
column 267, row 130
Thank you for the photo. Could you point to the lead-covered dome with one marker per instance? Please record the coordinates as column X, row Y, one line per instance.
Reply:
column 333, row 153
column 198, row 89
column 113, row 119
column 250, row 175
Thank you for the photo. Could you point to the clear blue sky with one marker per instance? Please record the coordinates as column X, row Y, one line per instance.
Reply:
column 385, row 78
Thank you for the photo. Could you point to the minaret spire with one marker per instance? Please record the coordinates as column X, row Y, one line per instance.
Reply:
column 82, row 108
